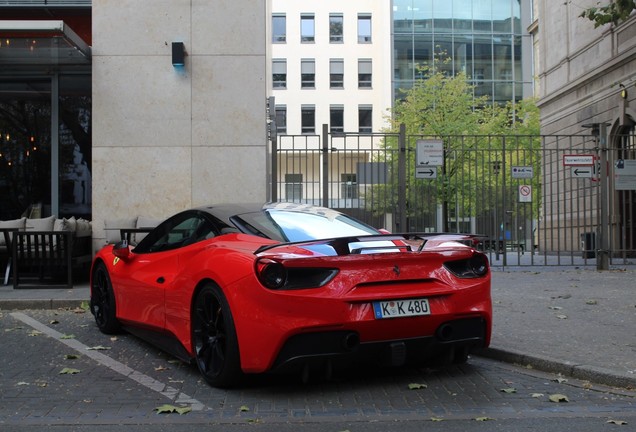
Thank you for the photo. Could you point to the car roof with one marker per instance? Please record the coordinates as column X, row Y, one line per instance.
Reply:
column 225, row 211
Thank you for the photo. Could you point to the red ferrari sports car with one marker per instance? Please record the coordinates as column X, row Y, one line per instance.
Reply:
column 242, row 289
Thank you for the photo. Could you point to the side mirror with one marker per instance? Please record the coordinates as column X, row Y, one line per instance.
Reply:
column 122, row 251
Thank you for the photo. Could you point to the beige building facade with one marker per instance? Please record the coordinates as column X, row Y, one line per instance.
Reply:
column 586, row 85
column 165, row 137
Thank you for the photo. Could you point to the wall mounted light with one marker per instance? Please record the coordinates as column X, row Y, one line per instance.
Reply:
column 178, row 54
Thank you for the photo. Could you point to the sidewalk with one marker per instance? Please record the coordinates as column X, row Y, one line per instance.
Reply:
column 580, row 323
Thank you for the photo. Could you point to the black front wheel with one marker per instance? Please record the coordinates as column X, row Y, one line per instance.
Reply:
column 103, row 300
column 214, row 338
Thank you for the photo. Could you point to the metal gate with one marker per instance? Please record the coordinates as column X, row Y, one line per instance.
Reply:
column 536, row 200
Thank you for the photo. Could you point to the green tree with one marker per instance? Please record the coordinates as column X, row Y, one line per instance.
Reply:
column 614, row 12
column 444, row 107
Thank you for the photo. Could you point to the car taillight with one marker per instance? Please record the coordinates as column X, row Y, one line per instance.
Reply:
column 271, row 274
column 473, row 267
column 274, row 275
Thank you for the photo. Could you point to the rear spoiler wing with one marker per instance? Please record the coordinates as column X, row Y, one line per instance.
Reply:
column 341, row 244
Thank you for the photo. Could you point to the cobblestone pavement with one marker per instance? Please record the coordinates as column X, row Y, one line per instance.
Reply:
column 122, row 380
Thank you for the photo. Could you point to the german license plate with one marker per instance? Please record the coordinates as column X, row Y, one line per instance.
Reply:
column 401, row 308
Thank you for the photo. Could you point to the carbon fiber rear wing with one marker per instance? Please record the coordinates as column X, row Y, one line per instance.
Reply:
column 414, row 242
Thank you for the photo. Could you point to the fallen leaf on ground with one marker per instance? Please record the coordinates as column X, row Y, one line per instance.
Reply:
column 244, row 408
column 69, row 371
column 167, row 409
column 537, row 395
column 509, row 390
column 67, row 336
column 71, row 357
column 483, row 419
column 557, row 398
column 416, row 386
column 617, row 422
column 591, row 302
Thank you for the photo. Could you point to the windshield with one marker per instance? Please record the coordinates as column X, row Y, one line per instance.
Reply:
column 294, row 226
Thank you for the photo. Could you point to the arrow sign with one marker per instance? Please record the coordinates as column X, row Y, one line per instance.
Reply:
column 582, row 172
column 426, row 172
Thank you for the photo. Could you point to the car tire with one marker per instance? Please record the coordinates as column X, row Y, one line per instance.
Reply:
column 103, row 301
column 214, row 338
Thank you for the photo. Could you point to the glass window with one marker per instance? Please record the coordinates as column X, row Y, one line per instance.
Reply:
column 279, row 73
column 364, row 28
column 365, row 114
column 364, row 73
column 308, row 119
column 349, row 186
column 293, row 187
column 281, row 119
column 307, row 28
column 336, row 73
column 335, row 28
column 181, row 230
column 336, row 118
column 307, row 73
column 279, row 28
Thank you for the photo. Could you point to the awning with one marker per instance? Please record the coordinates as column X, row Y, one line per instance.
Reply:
column 41, row 43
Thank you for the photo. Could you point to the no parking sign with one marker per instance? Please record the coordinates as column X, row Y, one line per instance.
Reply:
column 525, row 193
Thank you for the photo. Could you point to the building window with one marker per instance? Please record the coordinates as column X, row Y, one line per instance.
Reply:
column 365, row 114
column 336, row 118
column 335, row 28
column 279, row 28
column 364, row 28
column 307, row 28
column 293, row 187
column 349, row 186
column 279, row 73
column 365, row 73
column 281, row 119
column 307, row 73
column 336, row 73
column 308, row 119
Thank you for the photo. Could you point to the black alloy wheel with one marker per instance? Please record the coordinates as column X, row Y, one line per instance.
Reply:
column 103, row 301
column 214, row 338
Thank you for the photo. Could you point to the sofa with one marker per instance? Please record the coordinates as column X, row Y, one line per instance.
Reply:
column 132, row 229
column 46, row 251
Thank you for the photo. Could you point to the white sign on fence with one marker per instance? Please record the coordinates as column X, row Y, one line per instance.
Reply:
column 522, row 172
column 429, row 152
column 625, row 174
column 525, row 193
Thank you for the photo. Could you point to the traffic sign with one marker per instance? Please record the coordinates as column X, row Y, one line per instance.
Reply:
column 582, row 171
column 578, row 160
column 525, row 193
column 426, row 172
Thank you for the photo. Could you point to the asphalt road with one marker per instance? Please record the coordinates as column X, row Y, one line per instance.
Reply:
column 59, row 373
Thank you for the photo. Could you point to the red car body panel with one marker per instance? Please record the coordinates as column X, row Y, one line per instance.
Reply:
column 156, row 291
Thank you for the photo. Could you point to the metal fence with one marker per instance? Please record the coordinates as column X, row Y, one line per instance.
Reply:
column 536, row 200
